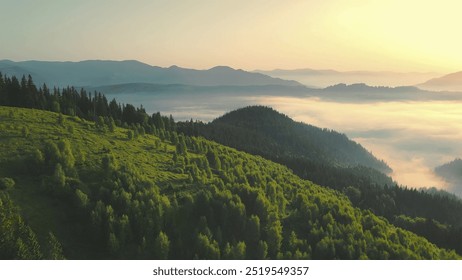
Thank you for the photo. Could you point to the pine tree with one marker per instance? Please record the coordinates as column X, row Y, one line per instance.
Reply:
column 111, row 124
column 67, row 156
column 25, row 132
column 162, row 246
column 59, row 177
column 262, row 250
column 130, row 134
column 55, row 250
column 60, row 119
column 6, row 183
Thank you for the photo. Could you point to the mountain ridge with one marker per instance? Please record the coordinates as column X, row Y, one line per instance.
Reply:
column 451, row 171
column 109, row 72
column 449, row 82
column 290, row 138
column 328, row 77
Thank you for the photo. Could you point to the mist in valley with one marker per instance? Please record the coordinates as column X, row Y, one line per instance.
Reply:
column 325, row 78
column 412, row 136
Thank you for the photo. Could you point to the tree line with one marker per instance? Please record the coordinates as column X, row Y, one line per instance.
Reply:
column 74, row 102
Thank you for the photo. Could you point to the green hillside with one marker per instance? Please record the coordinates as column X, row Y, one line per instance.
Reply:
column 323, row 156
column 270, row 132
column 82, row 190
column 315, row 154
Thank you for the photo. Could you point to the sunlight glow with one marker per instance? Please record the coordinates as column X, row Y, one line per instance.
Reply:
column 412, row 137
column 341, row 34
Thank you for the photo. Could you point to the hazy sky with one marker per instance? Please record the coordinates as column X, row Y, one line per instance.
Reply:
column 398, row 35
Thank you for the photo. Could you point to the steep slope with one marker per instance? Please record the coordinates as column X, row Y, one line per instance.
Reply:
column 93, row 73
column 262, row 130
column 450, row 82
column 451, row 171
column 105, row 194
column 366, row 187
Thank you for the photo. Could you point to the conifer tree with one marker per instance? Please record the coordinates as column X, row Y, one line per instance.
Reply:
column 162, row 246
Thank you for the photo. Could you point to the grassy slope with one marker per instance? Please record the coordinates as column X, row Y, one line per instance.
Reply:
column 41, row 211
column 46, row 214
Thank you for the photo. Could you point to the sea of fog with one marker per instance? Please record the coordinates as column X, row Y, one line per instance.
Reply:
column 413, row 137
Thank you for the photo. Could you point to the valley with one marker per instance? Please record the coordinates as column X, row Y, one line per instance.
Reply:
column 98, row 179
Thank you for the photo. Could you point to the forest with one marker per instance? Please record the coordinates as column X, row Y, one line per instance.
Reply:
column 347, row 168
column 451, row 171
column 84, row 178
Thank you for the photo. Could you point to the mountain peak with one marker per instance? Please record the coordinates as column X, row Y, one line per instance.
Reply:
column 273, row 132
column 450, row 82
column 221, row 68
column 250, row 112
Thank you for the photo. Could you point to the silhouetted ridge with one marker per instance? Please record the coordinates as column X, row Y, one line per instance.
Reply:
column 294, row 139
column 451, row 171
column 95, row 73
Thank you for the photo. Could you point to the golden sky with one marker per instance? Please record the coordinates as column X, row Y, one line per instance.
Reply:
column 396, row 35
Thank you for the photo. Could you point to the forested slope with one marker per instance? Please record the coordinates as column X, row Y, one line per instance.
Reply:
column 95, row 190
column 451, row 171
column 270, row 132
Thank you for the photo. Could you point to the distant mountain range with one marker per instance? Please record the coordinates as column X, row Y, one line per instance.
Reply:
column 130, row 76
column 450, row 82
column 359, row 92
column 324, row 78
column 92, row 73
column 364, row 93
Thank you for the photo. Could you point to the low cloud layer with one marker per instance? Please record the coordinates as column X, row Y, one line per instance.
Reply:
column 413, row 137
